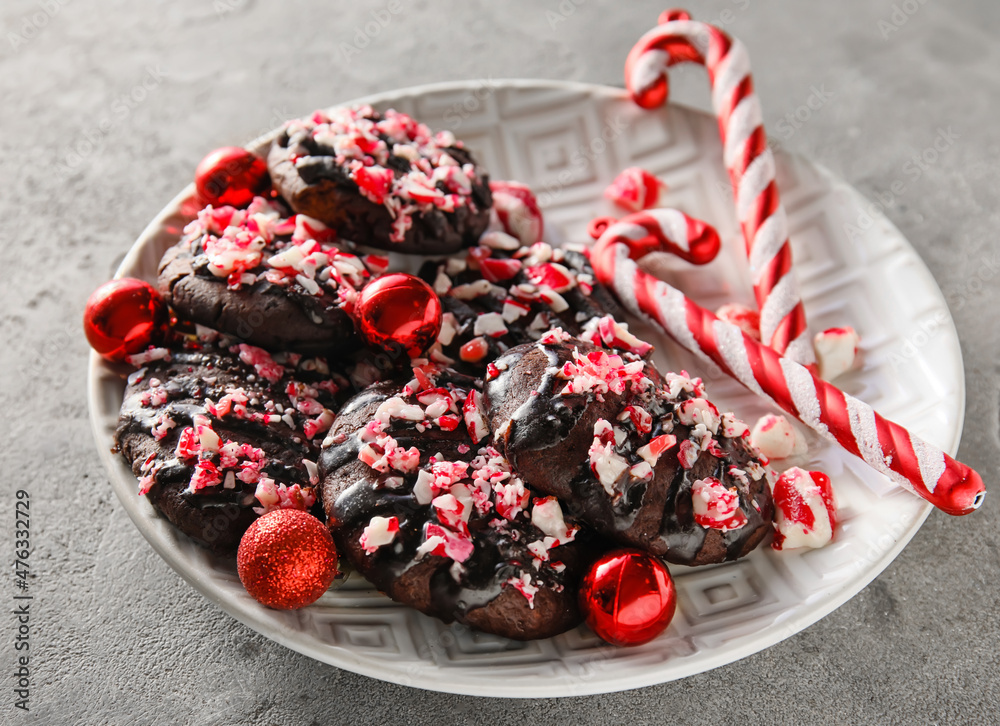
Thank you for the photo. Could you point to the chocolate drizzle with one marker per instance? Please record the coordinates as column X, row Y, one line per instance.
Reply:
column 584, row 303
column 318, row 175
column 179, row 390
column 546, row 436
column 262, row 304
column 476, row 590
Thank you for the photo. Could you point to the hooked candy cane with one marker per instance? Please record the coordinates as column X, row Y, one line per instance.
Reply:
column 746, row 155
column 885, row 446
column 661, row 230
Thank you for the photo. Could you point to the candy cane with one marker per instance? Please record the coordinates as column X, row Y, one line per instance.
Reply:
column 885, row 446
column 661, row 230
column 750, row 163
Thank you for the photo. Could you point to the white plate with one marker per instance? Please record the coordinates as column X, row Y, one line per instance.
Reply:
column 568, row 141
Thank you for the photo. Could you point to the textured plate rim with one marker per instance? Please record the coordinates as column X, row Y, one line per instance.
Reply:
column 429, row 678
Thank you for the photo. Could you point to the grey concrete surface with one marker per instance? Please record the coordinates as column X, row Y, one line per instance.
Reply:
column 117, row 637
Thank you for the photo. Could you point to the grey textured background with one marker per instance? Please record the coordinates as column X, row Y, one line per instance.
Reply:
column 119, row 638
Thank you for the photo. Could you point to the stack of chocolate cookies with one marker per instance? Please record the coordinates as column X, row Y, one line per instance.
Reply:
column 475, row 483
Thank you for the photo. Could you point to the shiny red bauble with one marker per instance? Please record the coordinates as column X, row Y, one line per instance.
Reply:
column 231, row 175
column 286, row 559
column 398, row 312
column 124, row 317
column 628, row 597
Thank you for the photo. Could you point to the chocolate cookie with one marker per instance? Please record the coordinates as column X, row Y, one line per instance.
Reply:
column 503, row 294
column 647, row 461
column 382, row 180
column 421, row 504
column 274, row 281
column 220, row 435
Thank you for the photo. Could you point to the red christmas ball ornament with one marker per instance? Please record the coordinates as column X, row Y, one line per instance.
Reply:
column 124, row 317
column 286, row 559
column 399, row 312
column 628, row 597
column 231, row 175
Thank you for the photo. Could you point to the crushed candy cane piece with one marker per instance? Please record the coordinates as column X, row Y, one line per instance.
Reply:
column 836, row 351
column 523, row 585
column 716, row 506
column 805, row 514
column 379, row 532
column 774, row 436
column 635, row 189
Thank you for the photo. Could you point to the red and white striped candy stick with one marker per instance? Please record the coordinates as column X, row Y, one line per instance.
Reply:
column 661, row 230
column 884, row 445
column 679, row 39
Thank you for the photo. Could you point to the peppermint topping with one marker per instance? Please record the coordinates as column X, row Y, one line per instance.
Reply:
column 472, row 290
column 363, row 142
column 154, row 396
column 148, row 356
column 642, row 470
column 687, row 454
column 598, row 372
column 379, row 532
column 609, row 332
column 537, row 254
column 678, row 383
column 695, row 411
column 280, row 496
column 608, row 466
column 449, row 326
column 641, row 419
column 490, row 324
column 650, row 453
column 715, row 506
column 497, row 240
column 523, row 585
column 514, row 310
column 235, row 252
column 441, row 542
column 213, row 457
column 236, row 244
column 219, row 465
column 385, row 454
column 499, row 270
column 396, row 407
column 318, row 425
column 474, row 351
column 262, row 362
column 547, row 515
column 732, row 427
column 472, row 412
column 453, row 512
column 556, row 335
column 552, row 276
column 162, row 426
column 149, row 468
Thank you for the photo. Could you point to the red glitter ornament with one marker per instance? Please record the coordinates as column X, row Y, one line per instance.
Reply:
column 286, row 559
column 123, row 317
column 399, row 311
column 231, row 175
column 628, row 597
